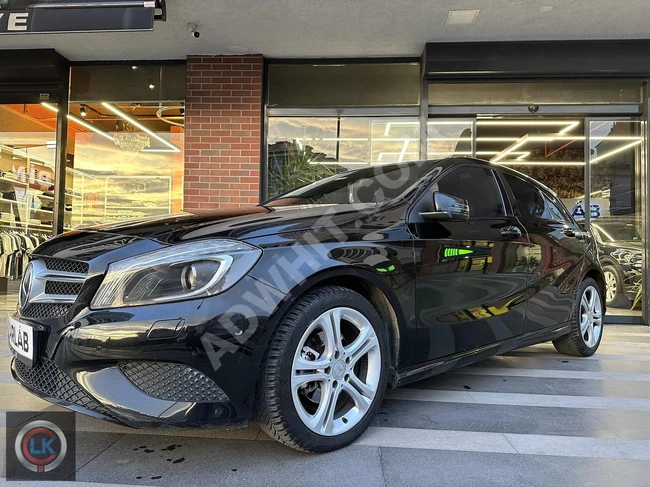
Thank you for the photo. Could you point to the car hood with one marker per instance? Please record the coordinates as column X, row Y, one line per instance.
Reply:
column 239, row 223
column 625, row 244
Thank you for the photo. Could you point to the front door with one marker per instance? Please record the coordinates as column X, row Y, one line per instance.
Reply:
column 470, row 276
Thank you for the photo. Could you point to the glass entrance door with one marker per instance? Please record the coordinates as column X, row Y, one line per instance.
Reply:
column 594, row 166
column 614, row 204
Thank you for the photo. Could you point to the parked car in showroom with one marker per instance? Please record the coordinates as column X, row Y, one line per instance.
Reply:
column 621, row 255
column 299, row 312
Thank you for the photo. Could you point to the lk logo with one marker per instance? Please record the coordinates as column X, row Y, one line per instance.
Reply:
column 42, row 450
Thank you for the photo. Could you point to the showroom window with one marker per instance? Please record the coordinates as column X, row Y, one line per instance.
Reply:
column 302, row 150
column 125, row 143
column 327, row 118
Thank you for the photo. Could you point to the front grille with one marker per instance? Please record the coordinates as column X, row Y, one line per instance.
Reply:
column 54, row 287
column 172, row 382
column 45, row 310
column 63, row 288
column 50, row 380
column 65, row 265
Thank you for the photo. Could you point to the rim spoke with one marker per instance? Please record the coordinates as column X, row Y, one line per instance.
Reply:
column 332, row 327
column 370, row 343
column 302, row 379
column 317, row 421
column 358, row 342
column 584, row 303
column 361, row 386
column 313, row 366
column 591, row 299
column 590, row 334
column 584, row 324
column 360, row 401
column 324, row 416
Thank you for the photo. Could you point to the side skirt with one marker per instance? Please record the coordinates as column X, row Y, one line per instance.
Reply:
column 450, row 362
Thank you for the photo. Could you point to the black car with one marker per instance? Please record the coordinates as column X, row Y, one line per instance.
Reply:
column 298, row 313
column 621, row 255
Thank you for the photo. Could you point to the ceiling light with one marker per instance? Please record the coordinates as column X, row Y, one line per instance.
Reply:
column 134, row 68
column 537, row 138
column 616, row 151
column 90, row 126
column 461, row 17
column 403, row 152
column 151, row 86
column 50, row 107
column 82, row 111
column 135, row 123
column 539, row 163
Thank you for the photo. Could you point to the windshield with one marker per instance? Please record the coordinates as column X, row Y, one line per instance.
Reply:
column 619, row 230
column 375, row 184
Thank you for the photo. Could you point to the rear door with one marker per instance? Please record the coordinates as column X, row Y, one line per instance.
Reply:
column 470, row 282
column 555, row 256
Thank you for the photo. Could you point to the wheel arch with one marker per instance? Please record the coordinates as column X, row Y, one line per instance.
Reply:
column 372, row 287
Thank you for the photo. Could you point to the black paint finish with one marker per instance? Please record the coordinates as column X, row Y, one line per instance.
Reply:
column 450, row 292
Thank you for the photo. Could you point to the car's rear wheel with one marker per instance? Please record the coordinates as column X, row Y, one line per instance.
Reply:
column 325, row 373
column 614, row 291
column 587, row 322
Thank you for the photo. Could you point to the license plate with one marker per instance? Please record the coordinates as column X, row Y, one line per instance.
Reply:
column 22, row 340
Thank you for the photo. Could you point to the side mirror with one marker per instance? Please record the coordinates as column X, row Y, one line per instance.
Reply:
column 447, row 208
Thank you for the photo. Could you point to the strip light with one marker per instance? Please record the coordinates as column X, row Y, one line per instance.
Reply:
column 49, row 106
column 538, row 163
column 616, row 151
column 390, row 124
column 135, row 123
column 570, row 124
column 381, row 155
column 90, row 126
column 403, row 152
column 540, row 138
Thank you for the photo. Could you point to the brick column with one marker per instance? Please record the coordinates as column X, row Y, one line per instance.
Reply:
column 223, row 122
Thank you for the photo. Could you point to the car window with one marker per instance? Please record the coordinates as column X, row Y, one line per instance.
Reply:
column 478, row 186
column 551, row 210
column 375, row 184
column 530, row 200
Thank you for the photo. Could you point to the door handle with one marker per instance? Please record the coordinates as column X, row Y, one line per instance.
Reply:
column 511, row 232
column 570, row 232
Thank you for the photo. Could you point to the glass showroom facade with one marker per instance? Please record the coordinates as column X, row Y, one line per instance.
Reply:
column 120, row 150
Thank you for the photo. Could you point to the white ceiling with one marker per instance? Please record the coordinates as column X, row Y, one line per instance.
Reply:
column 346, row 28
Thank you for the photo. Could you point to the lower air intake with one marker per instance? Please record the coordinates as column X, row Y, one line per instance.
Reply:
column 172, row 382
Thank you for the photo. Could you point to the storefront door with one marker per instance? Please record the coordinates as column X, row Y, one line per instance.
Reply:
column 592, row 163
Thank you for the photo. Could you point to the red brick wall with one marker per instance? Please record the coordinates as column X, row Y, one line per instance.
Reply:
column 223, row 122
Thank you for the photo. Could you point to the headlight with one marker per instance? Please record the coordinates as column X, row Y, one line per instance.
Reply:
column 184, row 271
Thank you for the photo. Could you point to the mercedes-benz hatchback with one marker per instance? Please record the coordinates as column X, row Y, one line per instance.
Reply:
column 299, row 312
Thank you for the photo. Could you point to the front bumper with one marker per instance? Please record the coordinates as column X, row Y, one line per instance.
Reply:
column 111, row 366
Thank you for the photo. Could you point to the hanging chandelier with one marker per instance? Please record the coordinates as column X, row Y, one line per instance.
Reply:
column 130, row 140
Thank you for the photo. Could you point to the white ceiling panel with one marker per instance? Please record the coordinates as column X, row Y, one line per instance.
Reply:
column 346, row 28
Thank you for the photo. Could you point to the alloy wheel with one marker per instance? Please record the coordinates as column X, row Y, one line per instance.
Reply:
column 610, row 285
column 591, row 316
column 336, row 371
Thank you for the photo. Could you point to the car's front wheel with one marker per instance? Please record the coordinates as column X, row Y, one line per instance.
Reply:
column 325, row 373
column 587, row 322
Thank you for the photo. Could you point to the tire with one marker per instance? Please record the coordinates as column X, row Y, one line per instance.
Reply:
column 294, row 414
column 617, row 299
column 586, row 327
